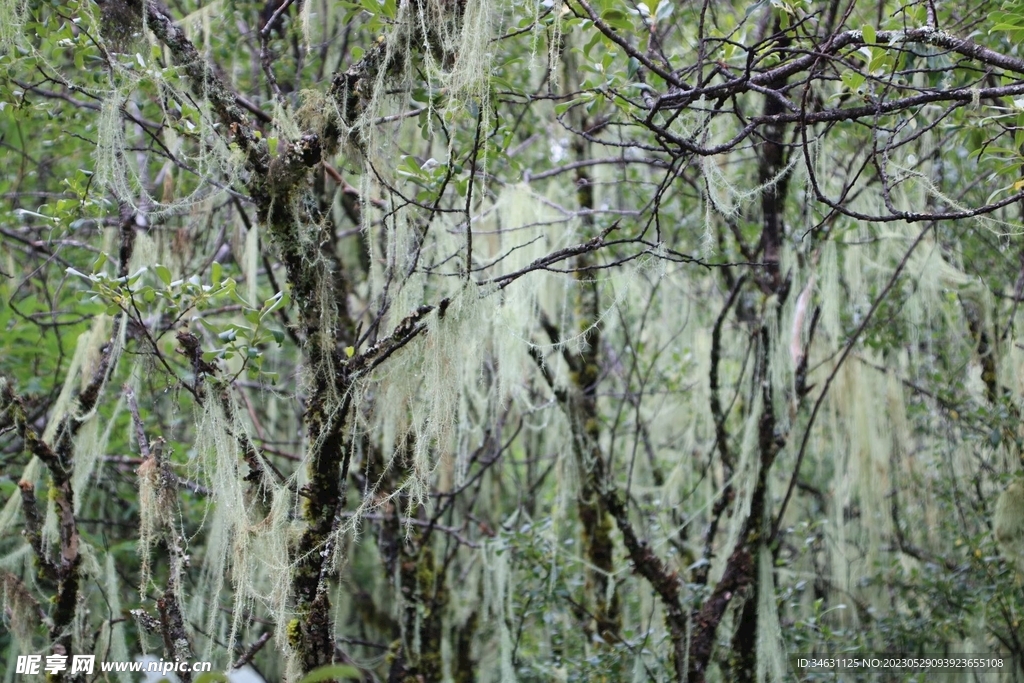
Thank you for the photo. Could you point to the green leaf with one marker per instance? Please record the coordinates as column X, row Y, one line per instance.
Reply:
column 212, row 677
column 869, row 33
column 853, row 80
column 664, row 10
column 617, row 19
column 272, row 304
column 332, row 671
column 134, row 277
column 164, row 274
column 632, row 68
column 566, row 106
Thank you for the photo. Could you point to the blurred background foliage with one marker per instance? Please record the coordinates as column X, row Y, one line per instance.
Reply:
column 641, row 341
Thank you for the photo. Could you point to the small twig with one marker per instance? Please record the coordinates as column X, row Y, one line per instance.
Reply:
column 140, row 432
column 274, row 18
column 411, row 521
column 469, row 196
column 251, row 651
column 835, row 372
column 364, row 643
column 614, row 36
